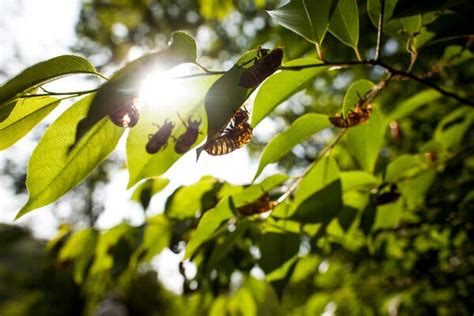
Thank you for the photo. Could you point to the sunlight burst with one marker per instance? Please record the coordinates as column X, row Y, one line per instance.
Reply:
column 161, row 91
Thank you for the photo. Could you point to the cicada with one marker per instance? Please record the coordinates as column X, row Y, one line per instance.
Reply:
column 125, row 114
column 189, row 137
column 261, row 205
column 357, row 116
column 237, row 135
column 159, row 140
column 266, row 63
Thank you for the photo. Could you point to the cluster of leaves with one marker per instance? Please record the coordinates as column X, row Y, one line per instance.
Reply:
column 361, row 196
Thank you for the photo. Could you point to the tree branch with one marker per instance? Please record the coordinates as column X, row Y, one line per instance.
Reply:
column 298, row 180
column 390, row 70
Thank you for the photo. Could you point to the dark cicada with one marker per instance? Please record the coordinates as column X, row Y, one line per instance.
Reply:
column 237, row 135
column 189, row 137
column 159, row 140
column 261, row 205
column 125, row 114
column 266, row 63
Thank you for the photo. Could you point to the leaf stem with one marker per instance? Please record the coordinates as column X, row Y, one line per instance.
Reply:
column 380, row 30
column 319, row 52
column 50, row 93
column 203, row 74
column 358, row 54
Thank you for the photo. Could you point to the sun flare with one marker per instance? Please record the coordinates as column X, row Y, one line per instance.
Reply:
column 162, row 91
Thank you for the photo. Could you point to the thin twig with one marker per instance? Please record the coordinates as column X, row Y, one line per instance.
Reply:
column 389, row 69
column 380, row 30
column 298, row 180
column 424, row 82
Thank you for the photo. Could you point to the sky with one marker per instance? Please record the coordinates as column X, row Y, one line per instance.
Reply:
column 32, row 31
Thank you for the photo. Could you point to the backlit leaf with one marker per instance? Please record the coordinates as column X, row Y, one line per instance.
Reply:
column 344, row 24
column 298, row 132
column 123, row 87
column 141, row 164
column 282, row 85
column 145, row 191
column 186, row 201
column 309, row 19
column 364, row 141
column 26, row 114
column 43, row 72
column 53, row 170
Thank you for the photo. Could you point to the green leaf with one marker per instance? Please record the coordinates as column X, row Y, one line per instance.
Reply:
column 276, row 249
column 157, row 236
column 186, row 201
column 357, row 179
column 43, row 72
column 374, row 8
column 280, row 277
column 414, row 190
column 225, row 245
column 212, row 219
column 356, row 91
column 143, row 165
column 324, row 172
column 298, row 132
column 103, row 260
column 6, row 109
column 403, row 166
column 451, row 130
column 388, row 215
column 413, row 103
column 322, row 206
column 319, row 195
column 411, row 25
column 346, row 217
column 124, row 85
column 208, row 225
column 145, row 191
column 344, row 24
column 307, row 18
column 53, row 170
column 26, row 114
column 80, row 248
column 281, row 86
column 364, row 141
column 367, row 219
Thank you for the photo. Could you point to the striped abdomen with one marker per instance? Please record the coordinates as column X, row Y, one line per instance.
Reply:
column 262, row 69
column 230, row 140
column 354, row 117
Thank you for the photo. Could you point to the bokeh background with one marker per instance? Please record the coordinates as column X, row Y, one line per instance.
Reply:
column 111, row 33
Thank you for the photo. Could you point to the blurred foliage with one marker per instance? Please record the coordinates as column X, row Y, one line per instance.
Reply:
column 378, row 223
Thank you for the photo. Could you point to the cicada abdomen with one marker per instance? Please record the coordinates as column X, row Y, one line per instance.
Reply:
column 265, row 65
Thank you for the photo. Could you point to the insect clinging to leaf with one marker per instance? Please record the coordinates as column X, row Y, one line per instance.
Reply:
column 186, row 140
column 159, row 140
column 265, row 64
column 237, row 135
column 125, row 114
column 360, row 114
